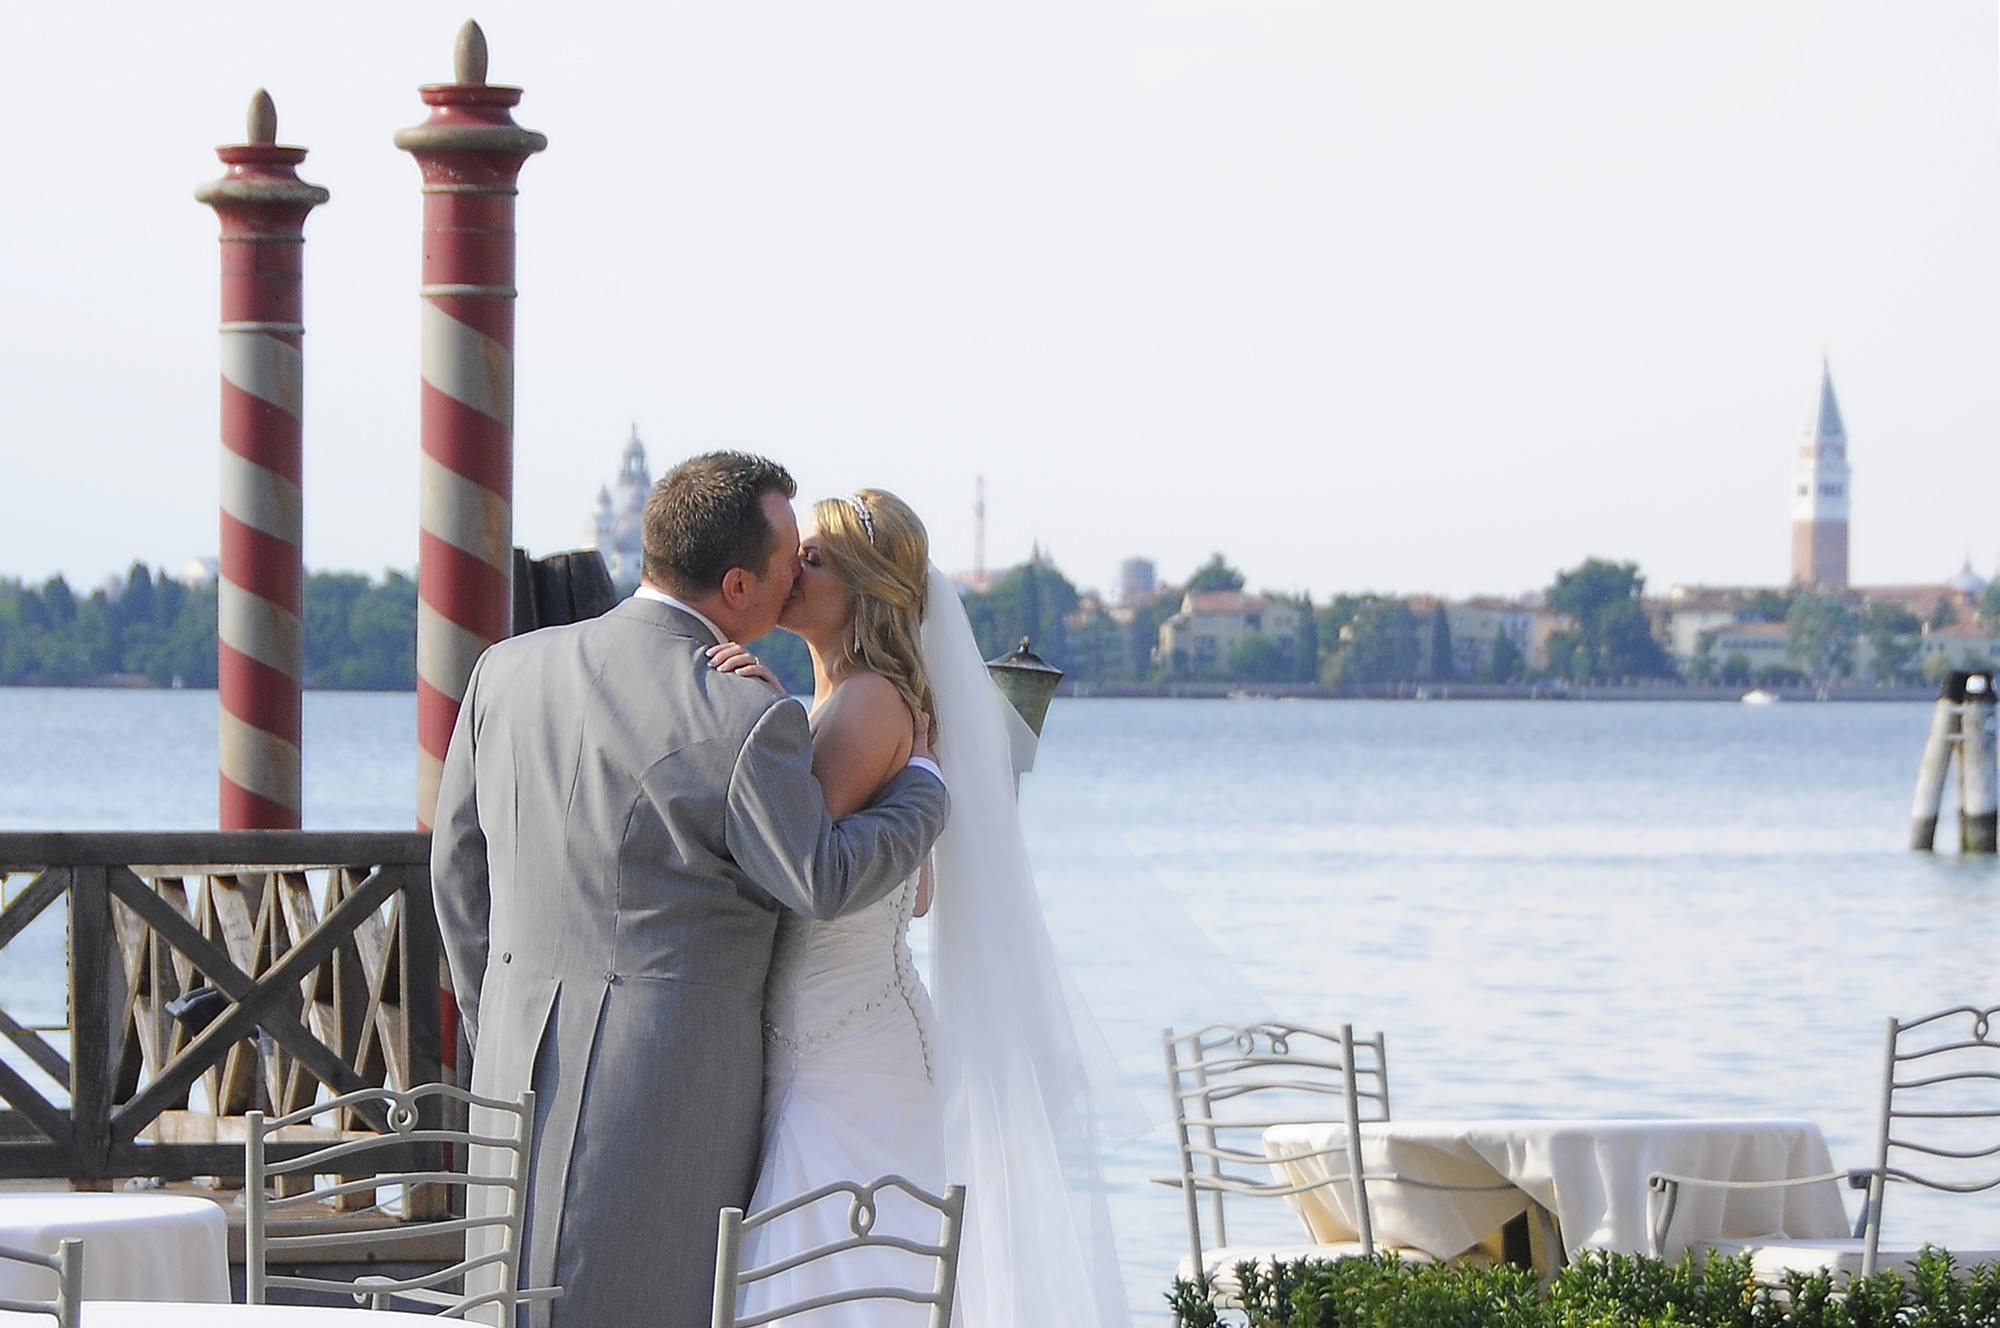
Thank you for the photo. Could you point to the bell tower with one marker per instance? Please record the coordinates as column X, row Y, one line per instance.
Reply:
column 1819, row 495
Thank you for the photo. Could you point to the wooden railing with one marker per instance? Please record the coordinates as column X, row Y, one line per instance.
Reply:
column 311, row 961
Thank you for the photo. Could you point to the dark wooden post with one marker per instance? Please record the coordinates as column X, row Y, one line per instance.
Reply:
column 1977, row 782
column 1936, row 764
column 93, row 970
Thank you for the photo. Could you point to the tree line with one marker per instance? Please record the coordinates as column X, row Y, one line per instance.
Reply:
column 360, row 634
column 150, row 629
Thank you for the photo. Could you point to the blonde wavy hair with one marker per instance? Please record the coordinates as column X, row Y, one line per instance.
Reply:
column 881, row 552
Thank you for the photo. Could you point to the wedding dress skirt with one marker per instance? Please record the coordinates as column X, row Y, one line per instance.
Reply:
column 849, row 1095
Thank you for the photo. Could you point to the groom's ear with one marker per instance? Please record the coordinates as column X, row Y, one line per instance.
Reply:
column 737, row 587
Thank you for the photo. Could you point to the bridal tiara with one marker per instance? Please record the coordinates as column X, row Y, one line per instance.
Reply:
column 861, row 512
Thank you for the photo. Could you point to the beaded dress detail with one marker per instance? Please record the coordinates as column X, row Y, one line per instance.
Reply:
column 849, row 1047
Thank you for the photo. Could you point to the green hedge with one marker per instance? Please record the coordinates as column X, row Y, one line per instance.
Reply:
column 1599, row 1290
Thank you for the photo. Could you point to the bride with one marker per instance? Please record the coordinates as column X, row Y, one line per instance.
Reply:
column 864, row 1074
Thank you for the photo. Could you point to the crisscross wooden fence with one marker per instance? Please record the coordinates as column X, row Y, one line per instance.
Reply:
column 321, row 954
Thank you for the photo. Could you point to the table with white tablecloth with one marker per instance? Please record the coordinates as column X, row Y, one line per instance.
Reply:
column 1589, row 1174
column 162, row 1247
column 164, row 1314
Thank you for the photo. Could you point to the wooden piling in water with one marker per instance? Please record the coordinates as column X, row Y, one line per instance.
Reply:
column 1978, row 780
column 1936, row 764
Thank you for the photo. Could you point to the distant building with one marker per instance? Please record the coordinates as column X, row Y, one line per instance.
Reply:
column 615, row 526
column 1927, row 604
column 1820, row 482
column 1476, row 624
column 1764, row 644
column 1137, row 581
column 1213, row 625
column 199, row 571
column 1965, row 645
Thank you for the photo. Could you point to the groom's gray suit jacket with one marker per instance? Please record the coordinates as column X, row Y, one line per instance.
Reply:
column 617, row 828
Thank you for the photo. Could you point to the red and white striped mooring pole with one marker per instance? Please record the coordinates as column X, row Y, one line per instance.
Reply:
column 471, row 152
column 260, row 630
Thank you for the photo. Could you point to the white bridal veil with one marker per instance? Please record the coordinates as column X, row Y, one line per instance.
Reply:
column 1020, row 1130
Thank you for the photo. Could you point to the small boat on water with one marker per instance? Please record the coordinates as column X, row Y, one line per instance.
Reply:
column 1759, row 696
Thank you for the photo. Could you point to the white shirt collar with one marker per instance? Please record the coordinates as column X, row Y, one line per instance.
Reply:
column 662, row 597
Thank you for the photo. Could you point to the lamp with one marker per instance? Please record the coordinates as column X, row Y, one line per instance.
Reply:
column 1027, row 682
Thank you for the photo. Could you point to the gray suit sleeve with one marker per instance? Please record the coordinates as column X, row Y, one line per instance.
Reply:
column 780, row 834
column 459, row 885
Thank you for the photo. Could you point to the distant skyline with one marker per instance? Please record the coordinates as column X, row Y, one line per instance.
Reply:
column 1432, row 297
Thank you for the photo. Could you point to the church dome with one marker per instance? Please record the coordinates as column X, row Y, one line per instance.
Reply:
column 1967, row 581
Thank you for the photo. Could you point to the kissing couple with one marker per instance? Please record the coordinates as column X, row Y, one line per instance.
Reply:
column 675, row 907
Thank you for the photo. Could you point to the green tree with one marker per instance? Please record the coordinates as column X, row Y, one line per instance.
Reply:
column 188, row 655
column 1142, row 635
column 1305, row 663
column 1215, row 574
column 1381, row 644
column 1612, row 637
column 1701, row 669
column 1441, row 663
column 1819, row 634
column 1767, row 606
column 1735, row 670
column 1944, row 613
column 59, row 602
column 1989, row 607
column 1506, row 662
column 330, row 597
column 1258, row 659
column 135, row 602
column 1030, row 600
column 382, row 632
column 1893, row 635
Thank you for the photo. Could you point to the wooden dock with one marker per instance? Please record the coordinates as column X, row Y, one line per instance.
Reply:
column 207, row 975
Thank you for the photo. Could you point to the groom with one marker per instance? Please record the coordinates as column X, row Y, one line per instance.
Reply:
column 618, row 826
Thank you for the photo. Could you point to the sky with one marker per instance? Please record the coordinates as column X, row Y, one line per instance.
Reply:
column 1430, row 296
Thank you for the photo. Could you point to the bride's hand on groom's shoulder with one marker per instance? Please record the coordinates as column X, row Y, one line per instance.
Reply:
column 730, row 657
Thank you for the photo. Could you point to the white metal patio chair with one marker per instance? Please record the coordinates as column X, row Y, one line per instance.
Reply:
column 1229, row 1085
column 67, row 1264
column 1938, row 1126
column 412, row 1152
column 862, row 1209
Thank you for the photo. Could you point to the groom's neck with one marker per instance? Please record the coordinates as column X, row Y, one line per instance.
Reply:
column 712, row 606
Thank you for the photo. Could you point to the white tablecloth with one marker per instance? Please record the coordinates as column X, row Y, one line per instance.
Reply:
column 160, row 1314
column 1591, row 1174
column 135, row 1246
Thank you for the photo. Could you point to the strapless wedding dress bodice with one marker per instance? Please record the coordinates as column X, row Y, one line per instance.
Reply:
column 835, row 979
column 849, row 1048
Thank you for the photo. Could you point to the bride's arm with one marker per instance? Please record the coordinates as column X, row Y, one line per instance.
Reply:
column 861, row 740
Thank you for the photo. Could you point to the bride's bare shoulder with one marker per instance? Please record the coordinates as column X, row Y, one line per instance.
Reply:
column 865, row 703
column 862, row 735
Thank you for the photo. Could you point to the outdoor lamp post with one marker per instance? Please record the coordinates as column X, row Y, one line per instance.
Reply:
column 1029, row 685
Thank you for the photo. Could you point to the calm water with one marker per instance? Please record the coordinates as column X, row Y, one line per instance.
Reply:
column 1553, row 909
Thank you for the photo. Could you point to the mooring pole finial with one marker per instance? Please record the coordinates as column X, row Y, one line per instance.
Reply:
column 468, row 56
column 262, row 124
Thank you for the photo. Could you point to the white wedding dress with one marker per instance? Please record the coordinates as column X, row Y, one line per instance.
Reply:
column 849, row 1094
column 992, row 1091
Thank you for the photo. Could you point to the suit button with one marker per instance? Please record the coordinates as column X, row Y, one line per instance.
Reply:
column 507, row 957
column 611, row 978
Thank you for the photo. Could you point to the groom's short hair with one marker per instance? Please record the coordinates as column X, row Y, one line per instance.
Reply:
column 705, row 516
